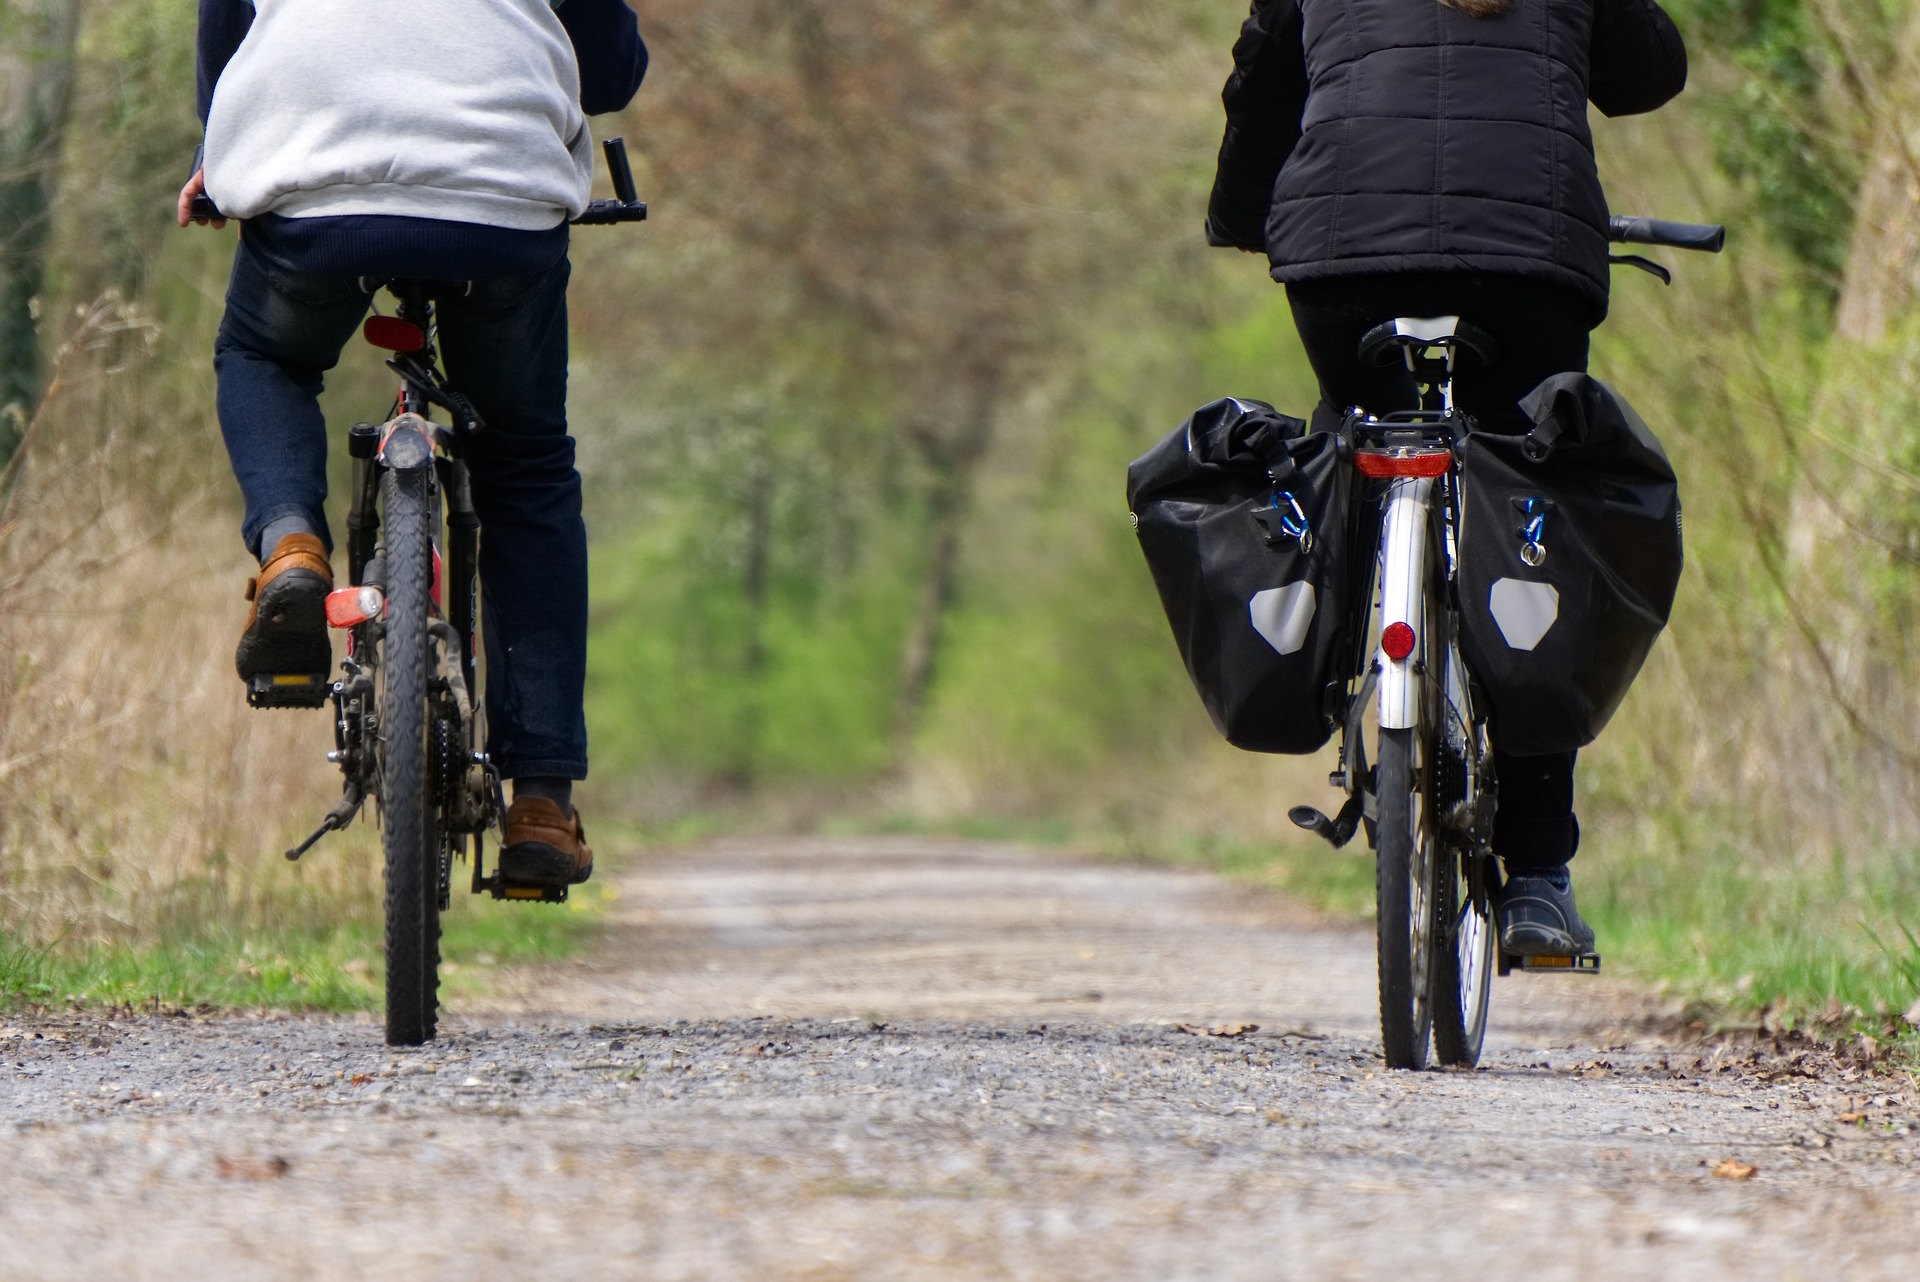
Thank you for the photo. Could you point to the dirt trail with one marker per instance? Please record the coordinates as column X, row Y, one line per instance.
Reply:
column 911, row 1058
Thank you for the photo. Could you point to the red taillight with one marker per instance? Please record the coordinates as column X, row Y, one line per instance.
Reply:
column 1397, row 640
column 393, row 334
column 1421, row 463
column 349, row 607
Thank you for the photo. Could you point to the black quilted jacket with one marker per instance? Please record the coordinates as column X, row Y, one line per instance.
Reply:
column 1368, row 136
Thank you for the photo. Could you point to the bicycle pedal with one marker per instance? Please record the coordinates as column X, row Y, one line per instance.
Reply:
column 288, row 690
column 525, row 892
column 1578, row 964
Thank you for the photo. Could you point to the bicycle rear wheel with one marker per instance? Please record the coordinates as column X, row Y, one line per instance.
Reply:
column 408, row 811
column 1403, row 898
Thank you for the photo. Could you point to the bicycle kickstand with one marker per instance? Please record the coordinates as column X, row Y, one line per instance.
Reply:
column 339, row 817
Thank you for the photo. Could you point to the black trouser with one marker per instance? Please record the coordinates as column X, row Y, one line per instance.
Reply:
column 1542, row 330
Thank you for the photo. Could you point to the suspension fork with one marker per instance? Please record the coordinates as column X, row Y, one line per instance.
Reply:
column 363, row 511
column 463, row 562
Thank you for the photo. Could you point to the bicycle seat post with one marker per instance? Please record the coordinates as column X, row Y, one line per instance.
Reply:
column 1432, row 375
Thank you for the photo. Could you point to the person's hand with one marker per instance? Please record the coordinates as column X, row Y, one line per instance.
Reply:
column 196, row 186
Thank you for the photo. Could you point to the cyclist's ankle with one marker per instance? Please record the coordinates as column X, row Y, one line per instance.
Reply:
column 1556, row 875
column 552, row 788
column 281, row 528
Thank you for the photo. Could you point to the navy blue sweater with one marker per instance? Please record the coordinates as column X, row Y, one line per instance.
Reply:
column 613, row 62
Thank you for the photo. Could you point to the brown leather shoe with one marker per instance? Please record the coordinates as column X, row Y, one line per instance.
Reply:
column 544, row 847
column 286, row 632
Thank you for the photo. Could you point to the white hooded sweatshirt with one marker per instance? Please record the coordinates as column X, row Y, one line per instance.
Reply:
column 463, row 110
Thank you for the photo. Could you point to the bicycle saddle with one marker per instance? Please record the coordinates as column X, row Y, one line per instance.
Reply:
column 1395, row 341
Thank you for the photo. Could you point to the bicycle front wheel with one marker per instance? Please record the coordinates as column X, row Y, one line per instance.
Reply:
column 408, row 814
column 1463, row 957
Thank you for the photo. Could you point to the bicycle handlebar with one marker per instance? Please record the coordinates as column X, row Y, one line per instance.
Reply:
column 625, row 207
column 1709, row 238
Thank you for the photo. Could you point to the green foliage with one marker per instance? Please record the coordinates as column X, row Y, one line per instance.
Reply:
column 748, row 619
column 1786, row 119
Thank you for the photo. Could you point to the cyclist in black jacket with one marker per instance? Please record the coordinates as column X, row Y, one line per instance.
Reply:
column 1432, row 157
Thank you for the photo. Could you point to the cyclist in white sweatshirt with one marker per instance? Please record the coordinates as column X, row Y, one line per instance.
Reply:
column 442, row 140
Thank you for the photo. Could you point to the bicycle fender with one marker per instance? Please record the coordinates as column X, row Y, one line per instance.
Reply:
column 1403, row 577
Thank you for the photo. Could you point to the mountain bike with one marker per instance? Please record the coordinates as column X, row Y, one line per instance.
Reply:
column 1425, row 794
column 408, row 724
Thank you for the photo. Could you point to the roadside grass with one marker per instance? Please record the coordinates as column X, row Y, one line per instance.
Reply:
column 1745, row 938
column 334, row 969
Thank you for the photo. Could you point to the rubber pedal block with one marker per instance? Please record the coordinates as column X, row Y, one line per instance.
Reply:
column 1579, row 964
column 526, row 893
column 288, row 690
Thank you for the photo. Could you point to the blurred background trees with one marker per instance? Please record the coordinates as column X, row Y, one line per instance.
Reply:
column 37, row 39
column 855, row 410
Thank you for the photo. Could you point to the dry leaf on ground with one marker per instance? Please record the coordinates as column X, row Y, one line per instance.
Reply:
column 1733, row 1168
column 1218, row 1030
column 247, row 1168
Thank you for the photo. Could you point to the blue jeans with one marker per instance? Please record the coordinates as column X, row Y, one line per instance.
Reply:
column 505, row 346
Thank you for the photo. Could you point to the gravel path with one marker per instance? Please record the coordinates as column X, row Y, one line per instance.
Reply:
column 921, row 1059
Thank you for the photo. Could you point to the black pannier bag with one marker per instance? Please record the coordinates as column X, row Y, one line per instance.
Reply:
column 1242, row 515
column 1569, row 558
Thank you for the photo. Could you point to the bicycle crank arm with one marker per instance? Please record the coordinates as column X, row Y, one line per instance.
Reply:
column 1338, row 830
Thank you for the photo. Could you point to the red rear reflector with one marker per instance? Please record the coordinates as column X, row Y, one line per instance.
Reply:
column 1427, row 463
column 1397, row 640
column 348, row 607
column 393, row 334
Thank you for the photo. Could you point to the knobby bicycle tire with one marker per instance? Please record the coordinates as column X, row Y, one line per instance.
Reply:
column 410, row 830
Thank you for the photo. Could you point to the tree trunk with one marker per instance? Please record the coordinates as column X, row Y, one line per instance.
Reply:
column 1880, row 282
column 920, row 657
column 954, row 459
column 37, row 39
column 755, row 591
column 1883, row 255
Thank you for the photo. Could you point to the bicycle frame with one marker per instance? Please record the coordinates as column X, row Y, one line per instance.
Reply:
column 410, row 441
column 1426, row 799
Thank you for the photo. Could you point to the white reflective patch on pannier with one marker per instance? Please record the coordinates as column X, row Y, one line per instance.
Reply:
column 1524, row 611
column 1283, row 615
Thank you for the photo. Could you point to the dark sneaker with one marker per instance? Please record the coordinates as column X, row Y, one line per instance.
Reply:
column 1537, row 917
column 544, row 847
column 284, row 644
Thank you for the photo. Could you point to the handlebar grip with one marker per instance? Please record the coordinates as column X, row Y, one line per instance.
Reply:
column 602, row 213
column 623, row 191
column 1709, row 238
